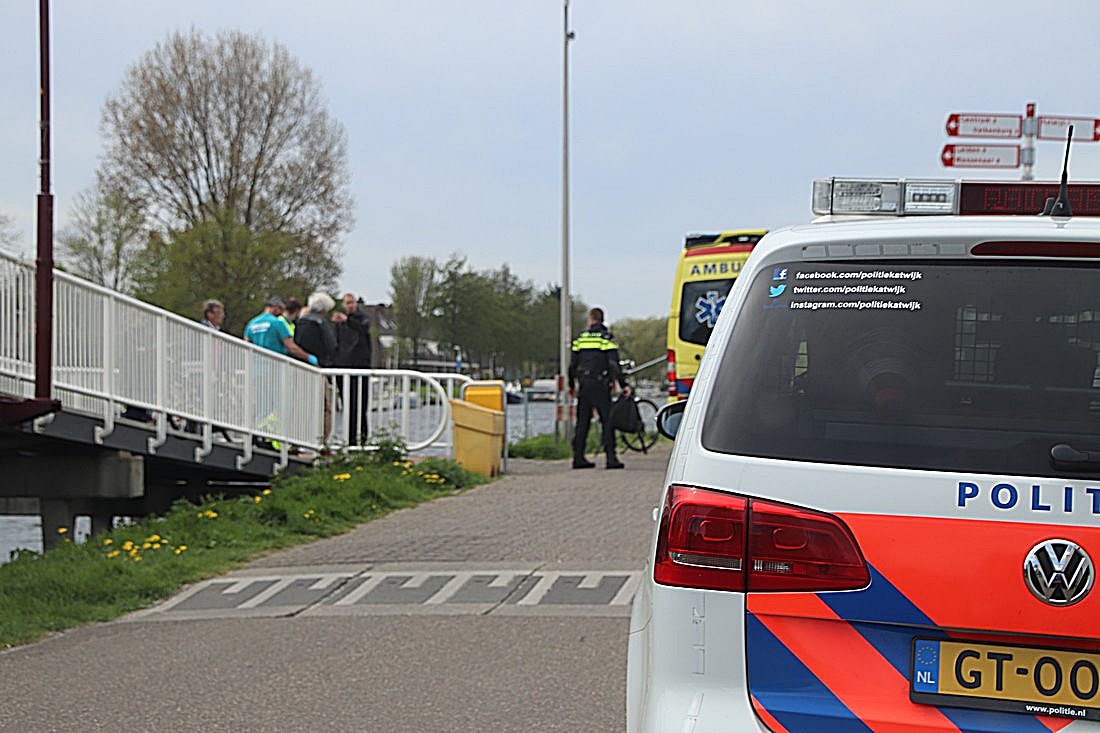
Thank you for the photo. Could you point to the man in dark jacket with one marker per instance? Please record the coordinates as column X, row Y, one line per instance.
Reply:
column 594, row 365
column 314, row 335
column 353, row 350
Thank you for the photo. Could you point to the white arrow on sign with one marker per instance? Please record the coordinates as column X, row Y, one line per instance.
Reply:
column 983, row 125
column 980, row 156
column 1085, row 129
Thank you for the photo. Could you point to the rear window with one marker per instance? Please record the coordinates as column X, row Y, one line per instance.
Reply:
column 700, row 304
column 935, row 365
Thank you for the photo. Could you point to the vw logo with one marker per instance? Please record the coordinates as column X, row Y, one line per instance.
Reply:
column 1058, row 572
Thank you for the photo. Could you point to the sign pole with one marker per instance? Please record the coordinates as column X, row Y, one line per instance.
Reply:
column 1027, row 152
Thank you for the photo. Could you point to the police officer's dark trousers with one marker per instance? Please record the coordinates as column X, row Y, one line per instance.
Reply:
column 593, row 393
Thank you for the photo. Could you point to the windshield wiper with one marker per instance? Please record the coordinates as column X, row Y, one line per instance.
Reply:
column 1066, row 457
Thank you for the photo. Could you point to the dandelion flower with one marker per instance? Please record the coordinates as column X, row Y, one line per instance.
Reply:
column 108, row 541
column 156, row 545
column 137, row 558
column 127, row 545
column 257, row 499
column 181, row 548
column 62, row 530
column 266, row 492
column 154, row 538
column 146, row 545
column 113, row 553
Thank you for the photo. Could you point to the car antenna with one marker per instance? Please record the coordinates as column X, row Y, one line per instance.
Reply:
column 1060, row 206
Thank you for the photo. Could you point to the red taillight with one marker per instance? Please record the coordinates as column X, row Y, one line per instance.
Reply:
column 717, row 541
column 672, row 373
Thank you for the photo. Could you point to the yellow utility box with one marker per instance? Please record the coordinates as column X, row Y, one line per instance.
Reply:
column 486, row 393
column 479, row 437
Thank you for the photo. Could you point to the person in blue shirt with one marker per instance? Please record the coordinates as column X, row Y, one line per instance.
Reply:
column 268, row 331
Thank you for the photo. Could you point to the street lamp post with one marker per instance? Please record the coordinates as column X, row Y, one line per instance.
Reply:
column 564, row 404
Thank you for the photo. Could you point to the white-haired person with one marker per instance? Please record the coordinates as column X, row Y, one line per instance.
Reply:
column 315, row 335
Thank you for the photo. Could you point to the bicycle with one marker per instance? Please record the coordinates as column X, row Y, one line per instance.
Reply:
column 639, row 441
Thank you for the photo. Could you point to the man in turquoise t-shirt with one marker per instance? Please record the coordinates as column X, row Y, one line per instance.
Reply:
column 268, row 331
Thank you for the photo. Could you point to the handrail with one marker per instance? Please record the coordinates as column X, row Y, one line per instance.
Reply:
column 371, row 402
column 116, row 357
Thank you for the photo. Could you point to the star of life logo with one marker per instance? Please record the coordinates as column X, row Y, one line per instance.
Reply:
column 708, row 307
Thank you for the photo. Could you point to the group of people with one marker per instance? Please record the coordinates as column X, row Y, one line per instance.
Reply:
column 286, row 327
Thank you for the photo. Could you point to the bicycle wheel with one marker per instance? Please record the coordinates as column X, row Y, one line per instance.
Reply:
column 646, row 436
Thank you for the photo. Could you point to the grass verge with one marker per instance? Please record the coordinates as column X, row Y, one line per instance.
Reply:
column 131, row 566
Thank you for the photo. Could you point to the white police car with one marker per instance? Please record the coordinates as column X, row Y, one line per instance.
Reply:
column 882, row 511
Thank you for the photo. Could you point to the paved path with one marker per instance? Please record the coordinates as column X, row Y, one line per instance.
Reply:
column 503, row 608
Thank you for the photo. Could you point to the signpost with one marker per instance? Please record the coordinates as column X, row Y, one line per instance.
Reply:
column 980, row 156
column 1009, row 127
column 1085, row 129
column 984, row 125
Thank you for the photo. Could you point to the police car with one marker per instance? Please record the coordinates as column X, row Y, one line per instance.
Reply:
column 882, row 512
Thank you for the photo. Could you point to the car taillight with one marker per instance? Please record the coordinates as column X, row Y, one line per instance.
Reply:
column 718, row 541
column 672, row 373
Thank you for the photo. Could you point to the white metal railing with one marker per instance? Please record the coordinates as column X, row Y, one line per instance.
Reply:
column 414, row 406
column 116, row 357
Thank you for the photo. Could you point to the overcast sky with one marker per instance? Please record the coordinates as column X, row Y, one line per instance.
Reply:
column 687, row 115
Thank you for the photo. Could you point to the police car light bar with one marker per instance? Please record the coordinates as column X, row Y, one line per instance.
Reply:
column 901, row 197
column 884, row 197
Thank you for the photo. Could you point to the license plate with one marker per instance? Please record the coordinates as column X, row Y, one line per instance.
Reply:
column 1010, row 678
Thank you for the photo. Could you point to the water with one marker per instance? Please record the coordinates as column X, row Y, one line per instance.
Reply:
column 18, row 532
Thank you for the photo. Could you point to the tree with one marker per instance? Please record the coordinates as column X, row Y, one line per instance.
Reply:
column 230, row 130
column 9, row 235
column 106, row 240
column 642, row 340
column 223, row 261
column 411, row 281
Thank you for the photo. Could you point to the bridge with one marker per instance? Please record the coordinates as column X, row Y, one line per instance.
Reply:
column 154, row 407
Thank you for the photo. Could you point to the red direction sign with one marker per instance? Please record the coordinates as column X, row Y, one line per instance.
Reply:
column 1085, row 129
column 983, row 125
column 980, row 156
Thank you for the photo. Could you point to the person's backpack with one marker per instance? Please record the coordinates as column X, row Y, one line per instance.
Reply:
column 625, row 416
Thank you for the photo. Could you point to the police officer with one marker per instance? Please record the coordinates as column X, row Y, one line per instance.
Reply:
column 594, row 364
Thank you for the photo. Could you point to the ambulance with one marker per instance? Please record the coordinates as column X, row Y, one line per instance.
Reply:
column 707, row 268
column 882, row 509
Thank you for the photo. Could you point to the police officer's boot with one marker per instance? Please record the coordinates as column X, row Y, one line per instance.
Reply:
column 614, row 462
column 582, row 462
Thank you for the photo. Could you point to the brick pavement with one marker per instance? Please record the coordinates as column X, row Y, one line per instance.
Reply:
column 541, row 511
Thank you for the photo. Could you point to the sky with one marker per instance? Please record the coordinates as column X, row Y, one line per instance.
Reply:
column 685, row 116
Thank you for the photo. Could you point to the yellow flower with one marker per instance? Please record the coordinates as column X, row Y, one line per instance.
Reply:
column 108, row 541
column 137, row 558
column 156, row 545
column 257, row 499
column 266, row 492
column 146, row 545
column 154, row 538
column 181, row 548
column 133, row 552
column 62, row 530
column 210, row 514
column 113, row 553
column 360, row 468
column 127, row 545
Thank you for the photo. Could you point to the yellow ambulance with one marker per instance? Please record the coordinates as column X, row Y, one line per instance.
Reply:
column 709, row 263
